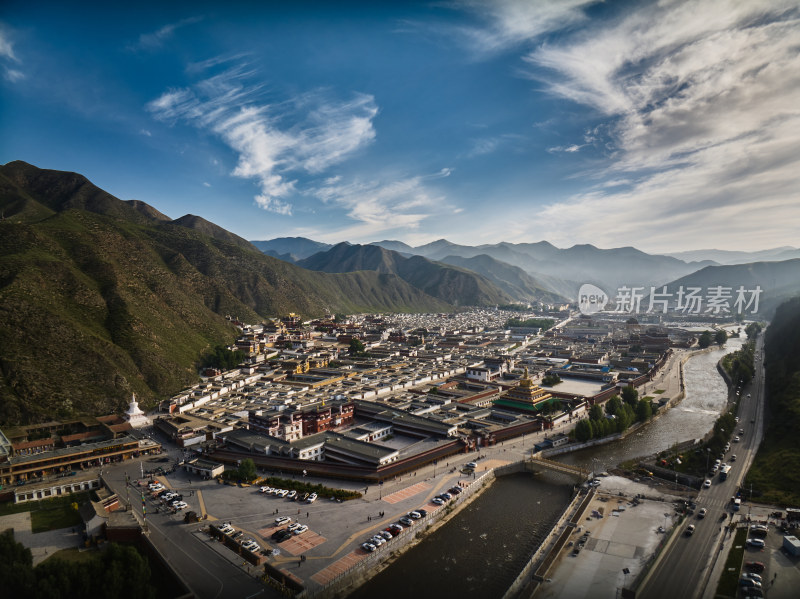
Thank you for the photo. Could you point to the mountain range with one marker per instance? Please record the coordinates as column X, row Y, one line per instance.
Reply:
column 101, row 297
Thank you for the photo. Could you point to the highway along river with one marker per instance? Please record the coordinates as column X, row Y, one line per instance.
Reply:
column 482, row 549
column 692, row 418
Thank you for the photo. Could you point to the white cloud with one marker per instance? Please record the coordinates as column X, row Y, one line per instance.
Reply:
column 156, row 39
column 700, row 103
column 206, row 184
column 380, row 206
column 274, row 142
column 146, row 133
column 8, row 55
column 511, row 22
column 13, row 75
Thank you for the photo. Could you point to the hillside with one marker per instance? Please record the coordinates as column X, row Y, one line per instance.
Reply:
column 562, row 271
column 775, row 474
column 778, row 281
column 291, row 249
column 511, row 279
column 100, row 297
column 451, row 284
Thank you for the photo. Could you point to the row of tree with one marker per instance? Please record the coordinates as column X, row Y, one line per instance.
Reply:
column 707, row 337
column 118, row 572
column 619, row 414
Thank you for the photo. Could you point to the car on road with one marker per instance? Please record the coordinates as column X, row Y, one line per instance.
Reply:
column 754, row 542
column 702, row 513
column 282, row 520
column 706, row 484
column 472, row 465
column 733, row 458
column 736, row 439
column 301, row 529
column 690, row 530
column 368, row 547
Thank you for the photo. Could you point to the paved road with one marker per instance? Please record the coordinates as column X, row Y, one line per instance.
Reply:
column 685, row 566
column 207, row 572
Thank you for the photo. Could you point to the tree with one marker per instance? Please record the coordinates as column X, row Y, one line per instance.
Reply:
column 721, row 337
column 644, row 411
column 356, row 347
column 247, row 470
column 705, row 339
column 583, row 430
column 596, row 412
column 630, row 395
column 613, row 405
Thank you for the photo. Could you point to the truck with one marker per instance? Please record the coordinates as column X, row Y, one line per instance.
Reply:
column 723, row 471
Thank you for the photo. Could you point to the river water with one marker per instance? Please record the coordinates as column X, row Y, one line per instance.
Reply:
column 482, row 549
column 692, row 418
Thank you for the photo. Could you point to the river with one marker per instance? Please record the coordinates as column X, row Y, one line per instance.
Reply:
column 692, row 418
column 482, row 549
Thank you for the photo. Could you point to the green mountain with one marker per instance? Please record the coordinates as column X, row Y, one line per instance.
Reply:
column 100, row 297
column 451, row 284
column 511, row 279
column 778, row 281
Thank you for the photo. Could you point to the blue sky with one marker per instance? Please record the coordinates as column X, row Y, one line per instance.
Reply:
column 669, row 125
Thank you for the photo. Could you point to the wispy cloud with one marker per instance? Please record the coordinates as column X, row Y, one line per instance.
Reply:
column 274, row 142
column 697, row 103
column 8, row 56
column 511, row 22
column 156, row 39
column 383, row 205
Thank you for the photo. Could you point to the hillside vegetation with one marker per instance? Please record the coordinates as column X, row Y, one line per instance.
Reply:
column 775, row 474
column 100, row 298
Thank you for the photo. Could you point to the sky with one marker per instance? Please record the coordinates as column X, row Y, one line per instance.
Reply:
column 668, row 126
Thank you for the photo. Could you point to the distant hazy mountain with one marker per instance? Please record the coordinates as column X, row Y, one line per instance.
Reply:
column 449, row 283
column 395, row 246
column 100, row 297
column 564, row 270
column 778, row 281
column 735, row 257
column 511, row 279
column 296, row 248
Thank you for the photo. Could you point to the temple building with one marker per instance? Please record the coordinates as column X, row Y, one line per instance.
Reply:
column 526, row 397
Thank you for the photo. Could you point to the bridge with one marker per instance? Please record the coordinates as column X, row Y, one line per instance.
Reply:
column 538, row 462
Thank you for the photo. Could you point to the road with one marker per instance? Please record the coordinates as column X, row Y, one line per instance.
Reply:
column 208, row 573
column 684, row 568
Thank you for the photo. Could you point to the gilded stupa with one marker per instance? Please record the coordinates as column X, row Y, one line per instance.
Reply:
column 525, row 397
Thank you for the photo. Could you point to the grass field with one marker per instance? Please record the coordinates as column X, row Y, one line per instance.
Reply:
column 49, row 514
column 729, row 581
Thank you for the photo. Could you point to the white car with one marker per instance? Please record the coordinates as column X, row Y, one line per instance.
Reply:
column 291, row 494
column 438, row 500
column 251, row 545
column 377, row 540
column 282, row 520
column 312, row 498
column 266, row 489
column 301, row 529
column 294, row 526
column 283, row 493
column 707, row 484
column 471, row 465
column 180, row 505
column 752, row 541
column 368, row 547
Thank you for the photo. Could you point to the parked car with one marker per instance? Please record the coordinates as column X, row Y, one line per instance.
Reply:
column 746, row 582
column 282, row 520
column 395, row 529
column 285, row 534
column 294, row 526
column 291, row 494
column 301, row 529
column 438, row 500
column 278, row 533
column 406, row 520
column 415, row 515
column 755, row 566
column 759, row 528
column 368, row 547
column 180, row 505
column 422, row 512
column 754, row 542
column 707, row 484
column 472, row 465
column 752, row 576
column 312, row 498
column 386, row 535
column 377, row 540
column 266, row 489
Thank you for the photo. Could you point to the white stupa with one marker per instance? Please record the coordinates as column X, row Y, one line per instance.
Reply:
column 135, row 416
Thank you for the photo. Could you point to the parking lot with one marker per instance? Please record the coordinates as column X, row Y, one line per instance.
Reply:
column 337, row 532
